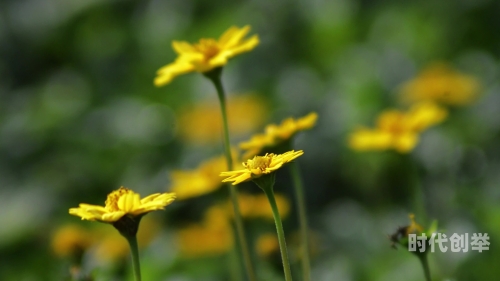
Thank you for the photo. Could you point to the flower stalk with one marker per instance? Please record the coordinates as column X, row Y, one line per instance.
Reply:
column 215, row 77
column 134, row 250
column 301, row 208
column 425, row 265
column 266, row 183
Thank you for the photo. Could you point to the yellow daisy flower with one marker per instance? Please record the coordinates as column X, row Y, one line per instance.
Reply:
column 213, row 236
column 207, row 54
column 203, row 180
column 276, row 134
column 202, row 122
column 71, row 239
column 260, row 165
column 440, row 83
column 267, row 244
column 123, row 202
column 398, row 130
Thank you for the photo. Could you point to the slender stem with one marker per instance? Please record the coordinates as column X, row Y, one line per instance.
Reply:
column 134, row 249
column 279, row 228
column 425, row 266
column 214, row 76
column 301, row 206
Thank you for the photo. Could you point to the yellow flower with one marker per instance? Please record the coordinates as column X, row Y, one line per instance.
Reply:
column 267, row 244
column 207, row 54
column 71, row 240
column 440, row 83
column 260, row 165
column 211, row 237
column 202, row 123
column 257, row 206
column 414, row 227
column 398, row 130
column 276, row 134
column 123, row 202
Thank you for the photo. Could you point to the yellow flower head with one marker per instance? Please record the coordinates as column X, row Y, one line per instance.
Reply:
column 70, row 240
column 267, row 244
column 276, row 134
column 414, row 227
column 440, row 83
column 202, row 123
column 123, row 202
column 260, row 165
column 203, row 180
column 398, row 130
column 207, row 54
column 212, row 236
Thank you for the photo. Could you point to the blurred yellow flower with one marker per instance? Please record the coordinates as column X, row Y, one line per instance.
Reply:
column 414, row 227
column 202, row 123
column 257, row 206
column 71, row 240
column 440, row 83
column 260, row 165
column 212, row 236
column 267, row 244
column 123, row 202
column 398, row 130
column 275, row 134
column 203, row 180
column 207, row 54
column 111, row 247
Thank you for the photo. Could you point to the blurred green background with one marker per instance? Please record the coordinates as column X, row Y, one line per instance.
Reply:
column 79, row 117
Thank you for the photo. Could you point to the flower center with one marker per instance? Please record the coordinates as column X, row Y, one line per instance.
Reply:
column 208, row 47
column 113, row 197
column 259, row 164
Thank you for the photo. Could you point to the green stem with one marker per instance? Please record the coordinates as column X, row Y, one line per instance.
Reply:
column 301, row 207
column 134, row 249
column 268, row 189
column 214, row 76
column 425, row 266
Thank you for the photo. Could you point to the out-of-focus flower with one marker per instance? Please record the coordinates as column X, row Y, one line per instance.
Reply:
column 441, row 83
column 123, row 202
column 207, row 54
column 398, row 130
column 203, row 180
column 276, row 134
column 202, row 123
column 71, row 240
column 267, row 244
column 213, row 236
column 401, row 235
column 260, row 165
column 257, row 206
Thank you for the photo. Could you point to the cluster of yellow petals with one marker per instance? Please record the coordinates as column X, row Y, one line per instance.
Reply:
column 275, row 134
column 71, row 239
column 414, row 227
column 260, row 165
column 200, row 181
column 267, row 244
column 398, row 130
column 213, row 236
column 202, row 123
column 207, row 54
column 123, row 202
column 440, row 83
